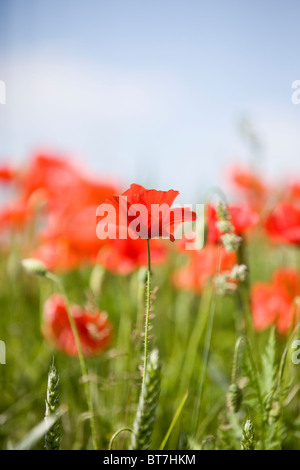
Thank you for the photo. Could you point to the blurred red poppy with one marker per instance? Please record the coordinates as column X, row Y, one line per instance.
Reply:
column 202, row 265
column 66, row 185
column 124, row 256
column 294, row 191
column 76, row 232
column 249, row 184
column 94, row 329
column 57, row 255
column 143, row 213
column 70, row 194
column 283, row 223
column 243, row 218
column 272, row 303
column 7, row 174
column 15, row 215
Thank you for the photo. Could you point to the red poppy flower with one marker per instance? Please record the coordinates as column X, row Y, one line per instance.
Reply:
column 294, row 191
column 57, row 255
column 124, row 256
column 202, row 265
column 243, row 218
column 70, row 194
column 66, row 185
column 249, row 184
column 15, row 215
column 283, row 223
column 7, row 174
column 246, row 179
column 143, row 213
column 77, row 231
column 272, row 303
column 94, row 329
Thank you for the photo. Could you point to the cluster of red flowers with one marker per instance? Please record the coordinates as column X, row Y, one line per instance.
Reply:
column 203, row 265
column 61, row 199
column 66, row 204
column 279, row 209
column 278, row 218
column 274, row 302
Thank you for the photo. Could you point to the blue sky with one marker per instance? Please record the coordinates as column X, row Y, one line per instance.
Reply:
column 152, row 92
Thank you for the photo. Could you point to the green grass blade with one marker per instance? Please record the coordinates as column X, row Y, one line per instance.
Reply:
column 174, row 421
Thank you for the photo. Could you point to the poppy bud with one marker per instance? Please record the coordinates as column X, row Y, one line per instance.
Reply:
column 96, row 279
column 34, row 267
column 234, row 398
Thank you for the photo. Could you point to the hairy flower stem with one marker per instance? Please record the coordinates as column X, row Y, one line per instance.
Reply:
column 83, row 366
column 148, row 307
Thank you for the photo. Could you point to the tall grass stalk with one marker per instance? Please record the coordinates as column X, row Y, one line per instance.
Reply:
column 205, row 356
column 52, row 436
column 189, row 360
column 174, row 421
column 83, row 366
column 145, row 415
column 206, row 350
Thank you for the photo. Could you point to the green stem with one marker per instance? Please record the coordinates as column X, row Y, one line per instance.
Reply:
column 257, row 386
column 255, row 373
column 83, row 366
column 174, row 421
column 116, row 435
column 193, row 346
column 244, row 292
column 284, row 354
column 205, row 357
column 148, row 307
column 241, row 321
column 206, row 348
